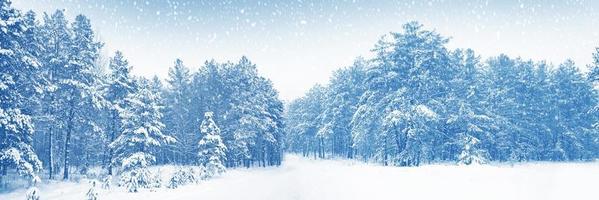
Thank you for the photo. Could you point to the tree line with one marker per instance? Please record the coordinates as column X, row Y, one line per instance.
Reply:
column 65, row 108
column 419, row 102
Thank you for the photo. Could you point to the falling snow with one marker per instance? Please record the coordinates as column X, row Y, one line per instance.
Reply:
column 305, row 28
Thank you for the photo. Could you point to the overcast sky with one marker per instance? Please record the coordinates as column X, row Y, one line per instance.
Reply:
column 299, row 43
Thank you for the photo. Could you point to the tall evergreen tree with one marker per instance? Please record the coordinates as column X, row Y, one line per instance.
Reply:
column 594, row 78
column 594, row 68
column 17, row 68
column 178, row 118
column 85, row 53
column 119, row 87
column 75, row 85
column 55, row 37
column 575, row 138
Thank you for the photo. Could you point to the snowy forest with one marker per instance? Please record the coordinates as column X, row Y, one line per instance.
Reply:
column 69, row 113
column 419, row 102
column 63, row 112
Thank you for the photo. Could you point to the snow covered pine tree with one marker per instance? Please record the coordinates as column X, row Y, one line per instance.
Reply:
column 211, row 148
column 17, row 67
column 142, row 130
column 471, row 153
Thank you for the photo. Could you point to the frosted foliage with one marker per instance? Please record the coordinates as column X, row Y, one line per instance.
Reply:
column 470, row 152
column 136, row 174
column 184, row 176
column 137, row 160
column 211, row 148
column 426, row 111
column 214, row 167
column 15, row 149
column 139, row 178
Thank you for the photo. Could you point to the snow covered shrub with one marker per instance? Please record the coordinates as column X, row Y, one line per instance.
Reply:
column 471, row 154
column 136, row 174
column 33, row 194
column 26, row 163
column 139, row 178
column 95, row 172
column 203, row 173
column 92, row 194
column 214, row 167
column 183, row 176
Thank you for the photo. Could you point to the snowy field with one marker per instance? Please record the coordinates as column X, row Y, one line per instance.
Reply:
column 301, row 178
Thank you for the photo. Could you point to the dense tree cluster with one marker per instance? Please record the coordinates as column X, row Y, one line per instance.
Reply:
column 419, row 102
column 65, row 109
column 18, row 84
column 244, row 105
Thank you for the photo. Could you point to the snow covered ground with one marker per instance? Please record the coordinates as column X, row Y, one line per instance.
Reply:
column 301, row 178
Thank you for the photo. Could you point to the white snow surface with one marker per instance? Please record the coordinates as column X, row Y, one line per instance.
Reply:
column 301, row 178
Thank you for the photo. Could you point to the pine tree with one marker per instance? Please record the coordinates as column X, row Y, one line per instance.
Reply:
column 119, row 87
column 246, row 107
column 594, row 68
column 142, row 130
column 211, row 153
column 77, row 85
column 574, row 99
column 178, row 118
column 471, row 154
column 69, row 54
column 344, row 91
column 273, row 128
column 309, row 111
column 17, row 68
column 594, row 78
column 55, row 37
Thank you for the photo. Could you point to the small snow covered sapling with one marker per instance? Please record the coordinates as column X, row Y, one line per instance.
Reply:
column 182, row 176
column 137, row 175
column 471, row 154
column 211, row 147
column 92, row 194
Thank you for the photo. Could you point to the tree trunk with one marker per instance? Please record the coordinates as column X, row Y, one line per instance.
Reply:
column 50, row 112
column 112, row 138
column 50, row 160
column 397, row 140
column 66, row 154
column 350, row 148
column 67, row 143
column 385, row 156
column 2, row 175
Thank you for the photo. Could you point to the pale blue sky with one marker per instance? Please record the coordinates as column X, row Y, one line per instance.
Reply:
column 299, row 43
